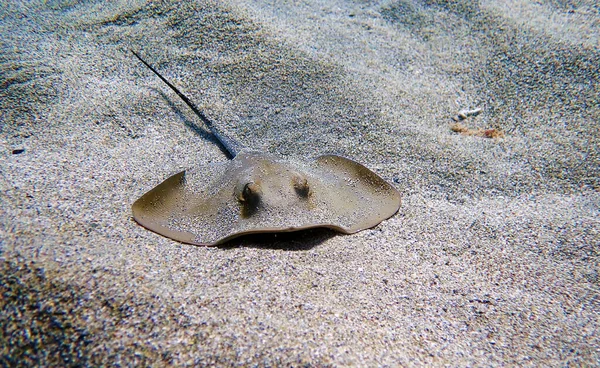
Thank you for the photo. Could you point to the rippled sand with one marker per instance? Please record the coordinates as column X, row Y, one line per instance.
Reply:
column 493, row 258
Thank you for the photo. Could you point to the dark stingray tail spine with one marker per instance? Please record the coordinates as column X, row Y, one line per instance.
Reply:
column 230, row 145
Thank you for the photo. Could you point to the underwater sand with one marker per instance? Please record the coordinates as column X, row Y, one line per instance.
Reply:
column 493, row 258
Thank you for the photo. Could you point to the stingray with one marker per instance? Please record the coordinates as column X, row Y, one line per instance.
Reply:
column 257, row 192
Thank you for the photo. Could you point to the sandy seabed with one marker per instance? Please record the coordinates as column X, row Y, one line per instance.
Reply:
column 493, row 258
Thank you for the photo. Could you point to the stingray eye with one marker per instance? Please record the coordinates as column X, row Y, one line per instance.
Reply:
column 300, row 186
column 250, row 193
column 249, row 197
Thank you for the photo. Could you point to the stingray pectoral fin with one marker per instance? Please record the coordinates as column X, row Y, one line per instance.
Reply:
column 155, row 208
column 360, row 196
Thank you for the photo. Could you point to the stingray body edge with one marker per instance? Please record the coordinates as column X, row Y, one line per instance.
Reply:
column 335, row 192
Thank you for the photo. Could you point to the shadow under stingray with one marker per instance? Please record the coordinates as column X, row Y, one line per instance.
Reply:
column 300, row 240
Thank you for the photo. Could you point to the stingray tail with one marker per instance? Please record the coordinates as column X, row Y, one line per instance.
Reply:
column 230, row 145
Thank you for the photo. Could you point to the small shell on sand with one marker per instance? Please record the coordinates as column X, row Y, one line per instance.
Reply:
column 463, row 114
